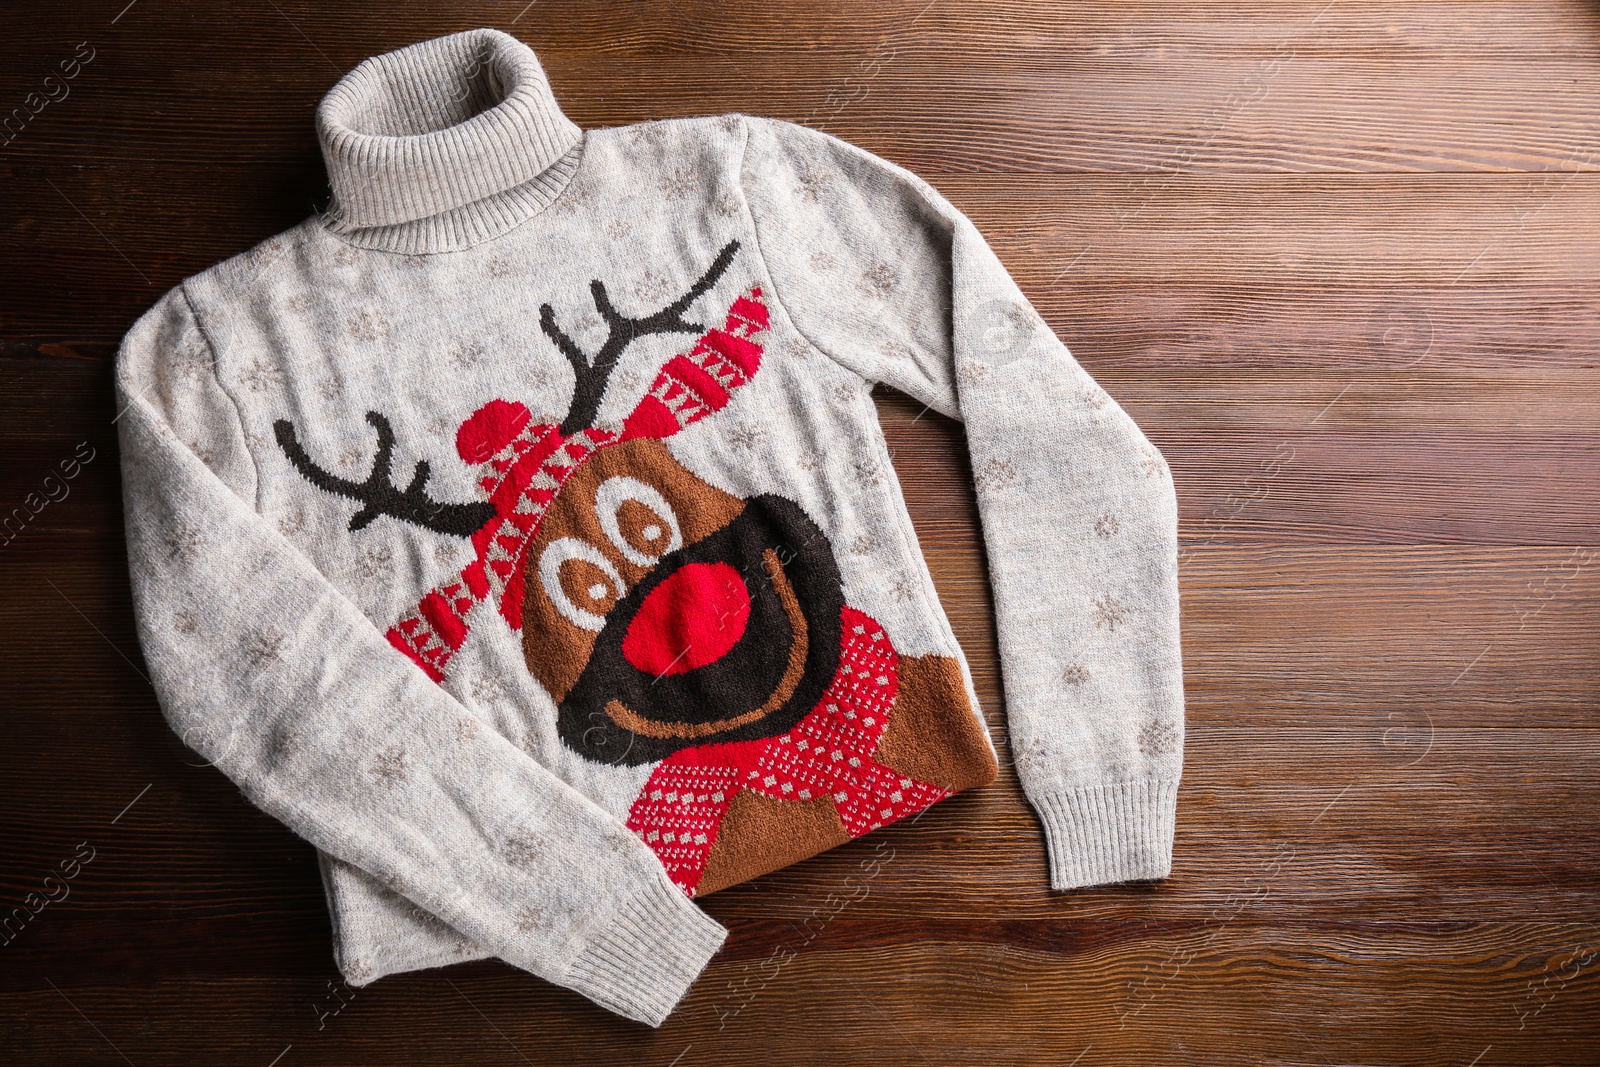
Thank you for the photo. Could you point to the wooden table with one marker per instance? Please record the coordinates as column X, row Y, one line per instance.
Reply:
column 1339, row 260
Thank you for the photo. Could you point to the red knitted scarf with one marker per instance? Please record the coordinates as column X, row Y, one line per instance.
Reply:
column 829, row 752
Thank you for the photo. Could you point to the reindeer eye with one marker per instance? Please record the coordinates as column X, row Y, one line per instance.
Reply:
column 637, row 519
column 580, row 582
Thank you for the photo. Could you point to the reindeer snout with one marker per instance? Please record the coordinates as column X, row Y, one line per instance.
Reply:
column 691, row 619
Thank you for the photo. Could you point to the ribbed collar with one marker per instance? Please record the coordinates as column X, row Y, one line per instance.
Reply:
column 443, row 143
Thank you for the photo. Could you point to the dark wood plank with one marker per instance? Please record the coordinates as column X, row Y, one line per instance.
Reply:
column 1024, row 86
column 1230, row 989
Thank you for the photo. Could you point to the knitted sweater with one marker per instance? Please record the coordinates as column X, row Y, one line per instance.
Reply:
column 521, row 532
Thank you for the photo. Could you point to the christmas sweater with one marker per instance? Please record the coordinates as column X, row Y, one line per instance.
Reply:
column 520, row 531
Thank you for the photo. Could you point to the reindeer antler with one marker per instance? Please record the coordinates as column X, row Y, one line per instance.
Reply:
column 379, row 494
column 592, row 374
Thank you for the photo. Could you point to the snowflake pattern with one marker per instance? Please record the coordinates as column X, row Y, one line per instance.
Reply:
column 288, row 742
column 679, row 184
column 1075, row 674
column 807, row 460
column 823, row 261
column 265, row 255
column 1006, row 327
column 357, row 970
column 192, row 357
column 653, row 286
column 369, row 325
column 1107, row 525
column 1158, row 737
column 266, row 647
column 868, row 472
column 524, row 848
column 299, row 303
column 488, row 690
column 619, row 229
column 1153, row 465
column 864, row 545
column 530, row 917
column 880, row 280
column 1029, row 755
column 904, row 588
column 621, row 843
column 747, row 436
column 424, row 917
column 372, row 563
column 186, row 622
column 574, row 198
column 590, row 329
column 464, row 355
column 971, row 371
column 1110, row 611
column 354, row 458
column 648, row 133
column 184, row 540
column 346, row 255
column 898, row 351
column 392, row 766
column 291, row 523
column 996, row 473
column 811, row 181
column 261, row 374
column 499, row 267
column 1092, row 396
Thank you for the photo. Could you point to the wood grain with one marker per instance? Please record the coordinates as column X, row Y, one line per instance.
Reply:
column 1339, row 261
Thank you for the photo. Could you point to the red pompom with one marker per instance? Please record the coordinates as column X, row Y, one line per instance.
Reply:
column 490, row 429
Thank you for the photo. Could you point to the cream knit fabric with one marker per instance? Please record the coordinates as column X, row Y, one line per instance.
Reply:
column 521, row 533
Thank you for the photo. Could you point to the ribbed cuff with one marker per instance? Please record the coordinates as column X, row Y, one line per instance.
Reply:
column 1109, row 833
column 642, row 961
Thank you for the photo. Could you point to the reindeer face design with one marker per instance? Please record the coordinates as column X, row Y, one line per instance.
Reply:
column 663, row 613
column 674, row 623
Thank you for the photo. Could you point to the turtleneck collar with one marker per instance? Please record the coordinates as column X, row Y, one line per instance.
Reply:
column 444, row 143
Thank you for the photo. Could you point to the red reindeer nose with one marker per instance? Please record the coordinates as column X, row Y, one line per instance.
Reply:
column 691, row 619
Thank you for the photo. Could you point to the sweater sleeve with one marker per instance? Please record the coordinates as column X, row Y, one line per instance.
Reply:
column 880, row 272
column 263, row 667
